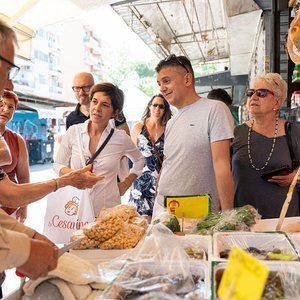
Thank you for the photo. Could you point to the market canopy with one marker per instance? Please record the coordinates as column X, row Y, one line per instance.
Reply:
column 203, row 30
column 206, row 31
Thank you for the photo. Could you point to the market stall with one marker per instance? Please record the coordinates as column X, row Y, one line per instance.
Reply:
column 152, row 261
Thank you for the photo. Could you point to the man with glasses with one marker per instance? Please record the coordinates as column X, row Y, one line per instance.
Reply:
column 197, row 140
column 20, row 246
column 82, row 84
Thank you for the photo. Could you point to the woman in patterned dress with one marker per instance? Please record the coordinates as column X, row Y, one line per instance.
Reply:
column 148, row 136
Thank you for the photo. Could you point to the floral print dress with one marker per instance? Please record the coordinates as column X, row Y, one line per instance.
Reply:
column 143, row 192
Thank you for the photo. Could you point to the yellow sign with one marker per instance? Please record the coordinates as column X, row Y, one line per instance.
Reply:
column 195, row 206
column 244, row 278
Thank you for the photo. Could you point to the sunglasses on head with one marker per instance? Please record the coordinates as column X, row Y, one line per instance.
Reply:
column 176, row 59
column 161, row 106
column 259, row 93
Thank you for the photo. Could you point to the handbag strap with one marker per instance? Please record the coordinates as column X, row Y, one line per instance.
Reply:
column 288, row 133
column 80, row 146
column 90, row 160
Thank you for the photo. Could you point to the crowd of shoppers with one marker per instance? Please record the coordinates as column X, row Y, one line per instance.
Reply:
column 187, row 154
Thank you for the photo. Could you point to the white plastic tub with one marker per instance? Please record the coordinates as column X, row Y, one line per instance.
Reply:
column 262, row 241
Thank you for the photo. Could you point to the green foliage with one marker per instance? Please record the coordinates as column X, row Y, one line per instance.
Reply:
column 172, row 224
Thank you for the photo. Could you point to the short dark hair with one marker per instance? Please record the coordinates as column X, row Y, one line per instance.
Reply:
column 220, row 94
column 167, row 112
column 175, row 61
column 115, row 94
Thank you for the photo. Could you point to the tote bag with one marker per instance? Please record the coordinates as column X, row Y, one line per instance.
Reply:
column 68, row 210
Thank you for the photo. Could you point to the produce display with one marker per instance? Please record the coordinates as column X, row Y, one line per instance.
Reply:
column 145, row 279
column 195, row 252
column 169, row 221
column 275, row 254
column 264, row 246
column 241, row 218
column 280, row 285
column 120, row 227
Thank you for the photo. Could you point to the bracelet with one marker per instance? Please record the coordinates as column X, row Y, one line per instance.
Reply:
column 56, row 184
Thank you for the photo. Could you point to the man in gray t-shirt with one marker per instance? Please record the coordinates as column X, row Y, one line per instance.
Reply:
column 197, row 140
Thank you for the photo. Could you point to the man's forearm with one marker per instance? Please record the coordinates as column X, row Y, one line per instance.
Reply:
column 225, row 190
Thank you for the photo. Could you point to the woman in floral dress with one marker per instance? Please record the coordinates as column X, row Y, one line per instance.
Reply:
column 148, row 135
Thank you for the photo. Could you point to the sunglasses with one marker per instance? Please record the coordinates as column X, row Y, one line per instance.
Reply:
column 161, row 106
column 176, row 59
column 85, row 88
column 259, row 93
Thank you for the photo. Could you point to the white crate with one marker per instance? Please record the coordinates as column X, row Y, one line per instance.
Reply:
column 198, row 241
column 266, row 241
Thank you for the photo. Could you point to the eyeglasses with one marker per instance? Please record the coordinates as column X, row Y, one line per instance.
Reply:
column 85, row 88
column 161, row 106
column 259, row 93
column 12, row 73
column 174, row 58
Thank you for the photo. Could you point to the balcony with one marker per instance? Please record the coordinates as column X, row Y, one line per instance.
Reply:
column 55, row 90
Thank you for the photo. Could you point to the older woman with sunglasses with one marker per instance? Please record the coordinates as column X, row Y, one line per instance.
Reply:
column 260, row 145
column 148, row 135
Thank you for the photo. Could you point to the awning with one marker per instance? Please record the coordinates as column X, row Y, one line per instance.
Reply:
column 44, row 111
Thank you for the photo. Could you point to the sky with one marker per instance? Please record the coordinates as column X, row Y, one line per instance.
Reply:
column 115, row 34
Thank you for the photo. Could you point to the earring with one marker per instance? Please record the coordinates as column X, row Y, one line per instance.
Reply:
column 274, row 109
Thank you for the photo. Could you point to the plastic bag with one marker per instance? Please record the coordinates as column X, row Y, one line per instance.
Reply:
column 115, row 228
column 240, row 219
column 123, row 211
column 169, row 220
column 127, row 237
column 160, row 265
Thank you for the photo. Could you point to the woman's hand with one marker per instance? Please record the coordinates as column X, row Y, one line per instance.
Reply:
column 21, row 214
column 81, row 179
column 283, row 180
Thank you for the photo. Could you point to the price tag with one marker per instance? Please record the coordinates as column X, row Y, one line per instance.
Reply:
column 195, row 206
column 244, row 278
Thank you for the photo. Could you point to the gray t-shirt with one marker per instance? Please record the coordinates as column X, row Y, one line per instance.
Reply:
column 188, row 167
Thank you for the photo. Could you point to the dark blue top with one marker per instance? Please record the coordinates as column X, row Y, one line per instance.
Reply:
column 250, row 188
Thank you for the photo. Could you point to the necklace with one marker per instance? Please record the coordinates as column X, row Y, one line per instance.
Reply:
column 272, row 148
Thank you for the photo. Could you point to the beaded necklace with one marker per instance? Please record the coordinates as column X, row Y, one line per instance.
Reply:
column 272, row 148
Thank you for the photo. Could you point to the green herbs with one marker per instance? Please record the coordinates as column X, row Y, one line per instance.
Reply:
column 241, row 218
column 171, row 222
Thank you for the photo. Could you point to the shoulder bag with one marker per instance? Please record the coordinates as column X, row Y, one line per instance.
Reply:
column 69, row 208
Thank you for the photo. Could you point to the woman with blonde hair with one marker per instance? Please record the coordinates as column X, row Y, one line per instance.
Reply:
column 260, row 146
